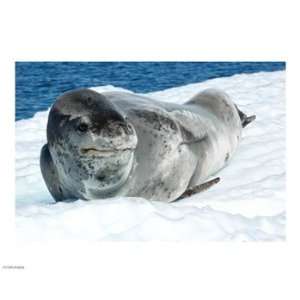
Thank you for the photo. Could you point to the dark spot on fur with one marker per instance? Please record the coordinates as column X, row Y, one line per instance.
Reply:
column 101, row 177
column 227, row 157
column 156, row 120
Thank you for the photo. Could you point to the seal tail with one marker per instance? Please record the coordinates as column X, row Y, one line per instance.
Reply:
column 244, row 119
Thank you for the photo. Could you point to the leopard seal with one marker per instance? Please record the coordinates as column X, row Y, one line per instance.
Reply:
column 109, row 144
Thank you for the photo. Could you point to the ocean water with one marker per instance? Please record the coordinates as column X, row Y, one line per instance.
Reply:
column 39, row 83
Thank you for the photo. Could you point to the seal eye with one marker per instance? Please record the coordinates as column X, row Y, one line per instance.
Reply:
column 82, row 127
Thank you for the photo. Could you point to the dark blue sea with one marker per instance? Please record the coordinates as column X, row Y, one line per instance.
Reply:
column 39, row 83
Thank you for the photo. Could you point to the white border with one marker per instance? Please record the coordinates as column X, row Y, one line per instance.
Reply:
column 152, row 30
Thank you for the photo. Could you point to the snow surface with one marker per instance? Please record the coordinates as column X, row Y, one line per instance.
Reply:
column 247, row 205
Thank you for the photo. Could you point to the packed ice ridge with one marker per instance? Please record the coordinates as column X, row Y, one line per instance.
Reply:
column 247, row 205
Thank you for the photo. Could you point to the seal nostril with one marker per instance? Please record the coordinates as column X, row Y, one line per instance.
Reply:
column 123, row 127
column 129, row 129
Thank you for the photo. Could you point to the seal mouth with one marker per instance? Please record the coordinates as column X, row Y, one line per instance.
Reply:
column 104, row 151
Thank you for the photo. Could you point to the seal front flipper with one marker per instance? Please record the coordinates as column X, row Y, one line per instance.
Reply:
column 189, row 137
column 198, row 188
column 191, row 126
column 51, row 177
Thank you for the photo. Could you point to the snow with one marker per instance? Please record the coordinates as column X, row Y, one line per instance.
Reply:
column 248, row 204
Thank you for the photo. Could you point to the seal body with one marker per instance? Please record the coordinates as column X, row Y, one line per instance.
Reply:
column 122, row 144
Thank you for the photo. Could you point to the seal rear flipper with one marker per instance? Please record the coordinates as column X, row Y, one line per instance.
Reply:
column 248, row 120
column 198, row 188
column 51, row 177
column 244, row 119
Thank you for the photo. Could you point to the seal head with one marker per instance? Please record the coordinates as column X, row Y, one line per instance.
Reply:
column 90, row 142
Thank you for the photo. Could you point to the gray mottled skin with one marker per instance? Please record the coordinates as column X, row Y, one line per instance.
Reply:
column 122, row 144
